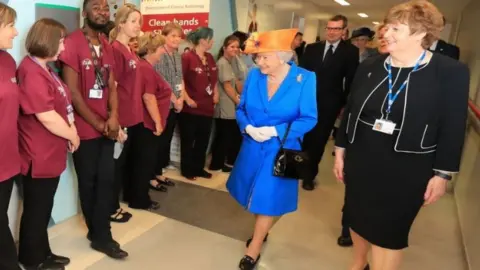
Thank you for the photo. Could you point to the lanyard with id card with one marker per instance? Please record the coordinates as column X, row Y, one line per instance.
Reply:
column 385, row 125
column 178, row 86
column 96, row 92
column 206, row 66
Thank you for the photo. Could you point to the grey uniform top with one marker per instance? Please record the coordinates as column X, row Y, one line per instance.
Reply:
column 170, row 68
column 228, row 72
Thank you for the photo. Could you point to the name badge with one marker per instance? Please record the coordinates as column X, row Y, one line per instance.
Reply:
column 96, row 93
column 384, row 126
column 70, row 117
column 209, row 90
column 178, row 87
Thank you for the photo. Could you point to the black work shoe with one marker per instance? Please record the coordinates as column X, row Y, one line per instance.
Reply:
column 308, row 185
column 345, row 241
column 110, row 249
column 58, row 259
column 46, row 265
column 248, row 263
column 89, row 237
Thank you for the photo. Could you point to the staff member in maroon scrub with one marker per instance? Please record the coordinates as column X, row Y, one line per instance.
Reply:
column 46, row 133
column 9, row 157
column 129, row 166
column 88, row 62
column 156, row 98
column 200, row 76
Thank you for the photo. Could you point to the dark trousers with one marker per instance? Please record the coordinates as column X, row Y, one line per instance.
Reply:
column 38, row 195
column 194, row 134
column 315, row 141
column 226, row 144
column 95, row 169
column 8, row 251
column 136, row 166
column 164, row 142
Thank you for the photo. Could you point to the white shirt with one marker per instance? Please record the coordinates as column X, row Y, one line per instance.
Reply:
column 434, row 45
column 327, row 46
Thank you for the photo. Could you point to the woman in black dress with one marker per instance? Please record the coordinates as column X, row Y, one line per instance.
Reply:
column 401, row 135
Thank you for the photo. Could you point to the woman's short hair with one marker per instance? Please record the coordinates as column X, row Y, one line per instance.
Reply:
column 200, row 33
column 167, row 29
column 122, row 15
column 149, row 42
column 43, row 38
column 7, row 15
column 421, row 16
column 285, row 56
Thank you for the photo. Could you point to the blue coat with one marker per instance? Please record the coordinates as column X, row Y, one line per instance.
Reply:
column 251, row 181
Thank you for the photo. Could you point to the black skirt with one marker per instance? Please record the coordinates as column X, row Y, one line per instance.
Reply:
column 384, row 189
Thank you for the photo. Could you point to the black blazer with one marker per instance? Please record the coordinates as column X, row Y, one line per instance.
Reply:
column 435, row 112
column 448, row 49
column 330, row 77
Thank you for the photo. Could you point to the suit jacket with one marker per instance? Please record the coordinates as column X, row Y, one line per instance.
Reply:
column 448, row 49
column 331, row 76
column 435, row 111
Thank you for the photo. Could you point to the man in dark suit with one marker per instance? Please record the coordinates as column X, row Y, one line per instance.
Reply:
column 442, row 47
column 334, row 61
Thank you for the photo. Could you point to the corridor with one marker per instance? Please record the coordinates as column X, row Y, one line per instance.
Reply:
column 199, row 227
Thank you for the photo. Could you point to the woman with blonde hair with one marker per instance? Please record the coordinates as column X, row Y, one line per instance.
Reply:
column 9, row 156
column 130, row 166
column 156, row 98
column 401, row 136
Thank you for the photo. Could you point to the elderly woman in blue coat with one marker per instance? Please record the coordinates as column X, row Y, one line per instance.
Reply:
column 276, row 93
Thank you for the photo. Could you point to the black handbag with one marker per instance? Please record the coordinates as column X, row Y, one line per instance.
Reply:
column 290, row 163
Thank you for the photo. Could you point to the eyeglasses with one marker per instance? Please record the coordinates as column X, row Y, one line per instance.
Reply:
column 334, row 28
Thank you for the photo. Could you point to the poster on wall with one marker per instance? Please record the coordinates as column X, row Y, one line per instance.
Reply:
column 190, row 14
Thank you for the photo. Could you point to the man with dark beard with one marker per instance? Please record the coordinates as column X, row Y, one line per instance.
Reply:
column 87, row 70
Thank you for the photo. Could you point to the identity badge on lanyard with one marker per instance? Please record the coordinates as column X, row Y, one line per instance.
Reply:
column 61, row 89
column 385, row 125
column 209, row 87
column 178, row 86
column 97, row 91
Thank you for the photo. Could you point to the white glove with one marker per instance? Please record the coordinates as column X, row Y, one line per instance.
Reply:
column 255, row 134
column 268, row 131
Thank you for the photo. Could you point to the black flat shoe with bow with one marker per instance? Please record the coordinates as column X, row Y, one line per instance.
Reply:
column 248, row 263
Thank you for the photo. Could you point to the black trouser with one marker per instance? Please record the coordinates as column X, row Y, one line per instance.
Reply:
column 165, row 140
column 136, row 166
column 315, row 141
column 226, row 143
column 194, row 134
column 8, row 251
column 95, row 169
column 38, row 195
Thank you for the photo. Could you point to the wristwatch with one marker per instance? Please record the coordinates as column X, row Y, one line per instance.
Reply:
column 444, row 175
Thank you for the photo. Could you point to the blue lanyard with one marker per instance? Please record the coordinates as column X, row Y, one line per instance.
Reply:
column 391, row 97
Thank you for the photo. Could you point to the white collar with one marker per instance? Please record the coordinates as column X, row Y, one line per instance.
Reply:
column 335, row 45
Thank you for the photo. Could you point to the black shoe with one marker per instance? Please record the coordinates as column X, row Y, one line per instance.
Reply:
column 205, row 174
column 58, row 259
column 345, row 241
column 250, row 240
column 308, row 185
column 226, row 169
column 46, row 265
column 167, row 182
column 248, row 263
column 89, row 237
column 367, row 267
column 110, row 249
column 120, row 216
column 158, row 186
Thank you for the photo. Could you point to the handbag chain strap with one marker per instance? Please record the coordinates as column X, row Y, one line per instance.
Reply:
column 284, row 139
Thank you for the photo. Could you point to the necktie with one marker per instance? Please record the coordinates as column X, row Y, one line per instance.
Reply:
column 328, row 55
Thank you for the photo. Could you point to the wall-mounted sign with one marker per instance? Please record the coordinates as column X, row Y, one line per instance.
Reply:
column 190, row 14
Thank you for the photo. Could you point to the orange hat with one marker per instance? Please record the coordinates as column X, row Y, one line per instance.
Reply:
column 271, row 41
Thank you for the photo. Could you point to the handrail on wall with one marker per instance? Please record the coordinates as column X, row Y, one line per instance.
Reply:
column 474, row 108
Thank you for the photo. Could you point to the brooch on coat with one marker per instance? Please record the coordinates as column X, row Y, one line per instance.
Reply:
column 299, row 78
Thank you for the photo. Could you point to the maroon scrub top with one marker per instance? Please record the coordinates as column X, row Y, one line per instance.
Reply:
column 129, row 88
column 78, row 56
column 9, row 106
column 198, row 77
column 153, row 83
column 40, row 149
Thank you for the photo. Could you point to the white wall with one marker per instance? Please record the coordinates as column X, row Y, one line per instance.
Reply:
column 267, row 17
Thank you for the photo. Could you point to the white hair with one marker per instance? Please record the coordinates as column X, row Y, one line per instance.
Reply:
column 285, row 56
